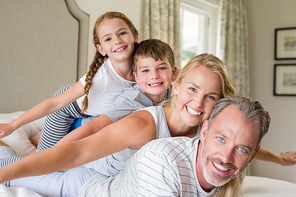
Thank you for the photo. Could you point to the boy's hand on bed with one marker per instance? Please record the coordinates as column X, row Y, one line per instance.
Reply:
column 288, row 158
column 5, row 130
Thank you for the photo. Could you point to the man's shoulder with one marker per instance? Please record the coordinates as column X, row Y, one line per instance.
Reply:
column 171, row 144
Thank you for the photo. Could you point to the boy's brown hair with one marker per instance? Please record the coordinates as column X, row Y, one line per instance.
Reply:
column 155, row 49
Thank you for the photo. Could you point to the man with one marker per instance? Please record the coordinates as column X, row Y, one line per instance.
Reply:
column 183, row 166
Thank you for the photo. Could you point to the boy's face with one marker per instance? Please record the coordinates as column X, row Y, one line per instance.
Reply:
column 154, row 77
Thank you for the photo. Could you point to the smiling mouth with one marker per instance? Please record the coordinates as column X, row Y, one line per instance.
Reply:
column 121, row 49
column 220, row 167
column 193, row 112
column 155, row 84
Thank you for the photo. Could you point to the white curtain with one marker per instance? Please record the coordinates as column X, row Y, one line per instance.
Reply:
column 161, row 21
column 233, row 48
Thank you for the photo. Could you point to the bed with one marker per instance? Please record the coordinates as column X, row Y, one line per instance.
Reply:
column 252, row 186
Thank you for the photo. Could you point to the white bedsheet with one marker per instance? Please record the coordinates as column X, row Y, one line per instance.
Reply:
column 16, row 192
column 265, row 187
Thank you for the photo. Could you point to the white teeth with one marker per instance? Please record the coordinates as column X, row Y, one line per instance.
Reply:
column 155, row 84
column 192, row 111
column 120, row 49
column 220, row 167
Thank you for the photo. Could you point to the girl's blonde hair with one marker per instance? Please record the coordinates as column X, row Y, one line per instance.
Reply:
column 215, row 65
column 98, row 59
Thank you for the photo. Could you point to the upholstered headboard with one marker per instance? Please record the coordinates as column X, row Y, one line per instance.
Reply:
column 43, row 46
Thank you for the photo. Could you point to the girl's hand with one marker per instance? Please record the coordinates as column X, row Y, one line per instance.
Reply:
column 5, row 130
column 288, row 158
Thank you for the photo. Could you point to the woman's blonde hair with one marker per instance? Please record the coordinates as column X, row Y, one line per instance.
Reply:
column 232, row 188
column 215, row 65
column 98, row 59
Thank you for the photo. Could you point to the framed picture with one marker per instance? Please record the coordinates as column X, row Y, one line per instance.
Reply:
column 285, row 43
column 284, row 80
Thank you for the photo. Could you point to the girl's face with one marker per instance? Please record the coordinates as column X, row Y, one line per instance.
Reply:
column 116, row 40
column 197, row 94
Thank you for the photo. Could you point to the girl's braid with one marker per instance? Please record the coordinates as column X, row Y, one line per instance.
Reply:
column 98, row 58
column 93, row 68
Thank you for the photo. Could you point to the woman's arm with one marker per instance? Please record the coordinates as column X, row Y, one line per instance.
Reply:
column 44, row 108
column 90, row 128
column 284, row 159
column 133, row 131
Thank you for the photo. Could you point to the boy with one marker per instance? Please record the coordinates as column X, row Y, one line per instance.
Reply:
column 154, row 69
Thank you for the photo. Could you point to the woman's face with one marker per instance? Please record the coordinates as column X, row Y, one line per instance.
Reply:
column 197, row 94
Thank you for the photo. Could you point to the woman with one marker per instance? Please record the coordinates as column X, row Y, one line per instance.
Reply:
column 199, row 85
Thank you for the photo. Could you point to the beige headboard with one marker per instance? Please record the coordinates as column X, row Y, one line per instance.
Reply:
column 43, row 46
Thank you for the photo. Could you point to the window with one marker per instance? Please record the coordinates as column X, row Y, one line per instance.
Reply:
column 199, row 24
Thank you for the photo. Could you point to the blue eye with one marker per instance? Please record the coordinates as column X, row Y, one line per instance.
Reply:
column 108, row 39
column 122, row 33
column 161, row 68
column 145, row 71
column 242, row 149
column 212, row 98
column 221, row 139
column 192, row 89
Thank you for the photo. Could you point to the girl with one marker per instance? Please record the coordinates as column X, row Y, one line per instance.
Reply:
column 114, row 37
column 197, row 88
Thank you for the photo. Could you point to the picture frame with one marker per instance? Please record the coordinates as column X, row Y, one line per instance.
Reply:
column 284, row 80
column 285, row 43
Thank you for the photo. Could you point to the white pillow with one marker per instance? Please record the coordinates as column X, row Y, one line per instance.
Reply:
column 19, row 140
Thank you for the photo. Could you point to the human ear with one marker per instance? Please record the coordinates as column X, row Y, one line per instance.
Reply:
column 176, row 87
column 174, row 72
column 136, row 78
column 136, row 38
column 255, row 153
column 203, row 131
column 101, row 50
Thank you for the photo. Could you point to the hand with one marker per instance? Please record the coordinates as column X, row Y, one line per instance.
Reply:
column 288, row 158
column 5, row 130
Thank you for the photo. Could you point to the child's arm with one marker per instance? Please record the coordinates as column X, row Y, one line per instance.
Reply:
column 91, row 128
column 132, row 131
column 284, row 159
column 44, row 108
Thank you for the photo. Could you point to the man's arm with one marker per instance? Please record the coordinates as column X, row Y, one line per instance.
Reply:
column 285, row 158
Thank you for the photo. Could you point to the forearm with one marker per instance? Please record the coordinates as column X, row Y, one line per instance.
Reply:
column 77, row 134
column 266, row 155
column 49, row 105
column 38, row 111
column 284, row 159
column 87, row 129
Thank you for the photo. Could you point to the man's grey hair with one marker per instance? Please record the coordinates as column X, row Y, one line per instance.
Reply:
column 252, row 110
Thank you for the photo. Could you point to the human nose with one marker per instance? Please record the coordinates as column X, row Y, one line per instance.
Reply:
column 199, row 100
column 154, row 74
column 117, row 40
column 227, row 155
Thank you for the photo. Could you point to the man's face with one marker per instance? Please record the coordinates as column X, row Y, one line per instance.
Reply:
column 228, row 146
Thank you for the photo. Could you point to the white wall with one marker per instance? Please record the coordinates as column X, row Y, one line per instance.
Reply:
column 263, row 17
column 94, row 8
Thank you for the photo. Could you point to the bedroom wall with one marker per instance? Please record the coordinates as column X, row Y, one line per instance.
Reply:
column 263, row 17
